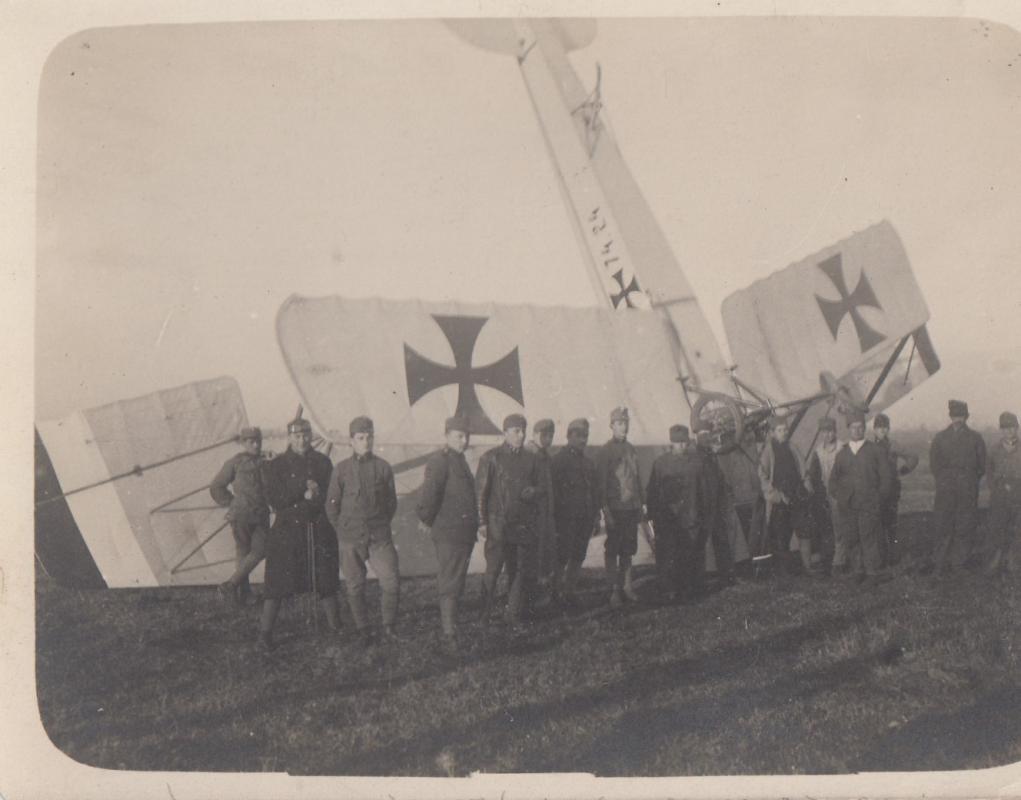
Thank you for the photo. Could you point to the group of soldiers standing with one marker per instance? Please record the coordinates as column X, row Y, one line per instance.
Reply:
column 832, row 513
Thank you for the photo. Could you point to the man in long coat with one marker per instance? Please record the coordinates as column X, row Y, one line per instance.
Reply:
column 576, row 509
column 957, row 459
column 361, row 504
column 508, row 487
column 860, row 481
column 674, row 498
column 823, row 507
column 542, row 437
column 447, row 509
column 785, row 488
column 301, row 535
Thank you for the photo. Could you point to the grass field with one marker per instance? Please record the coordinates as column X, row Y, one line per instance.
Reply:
column 775, row 675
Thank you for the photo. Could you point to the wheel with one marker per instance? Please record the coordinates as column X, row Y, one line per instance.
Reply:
column 722, row 417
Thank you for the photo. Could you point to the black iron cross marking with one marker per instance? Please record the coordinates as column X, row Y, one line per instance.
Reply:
column 834, row 311
column 424, row 374
column 625, row 291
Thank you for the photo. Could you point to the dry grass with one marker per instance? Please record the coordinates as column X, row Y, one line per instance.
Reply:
column 776, row 675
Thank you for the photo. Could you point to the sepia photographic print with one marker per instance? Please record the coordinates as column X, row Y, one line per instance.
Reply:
column 554, row 401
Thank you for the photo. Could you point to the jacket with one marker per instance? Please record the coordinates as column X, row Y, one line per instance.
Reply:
column 247, row 501
column 863, row 480
column 507, row 485
column 362, row 499
column 446, row 501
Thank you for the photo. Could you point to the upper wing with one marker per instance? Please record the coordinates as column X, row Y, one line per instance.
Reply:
column 410, row 364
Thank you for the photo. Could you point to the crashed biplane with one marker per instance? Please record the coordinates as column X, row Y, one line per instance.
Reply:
column 843, row 328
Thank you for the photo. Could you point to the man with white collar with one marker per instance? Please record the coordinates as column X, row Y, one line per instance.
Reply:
column 860, row 481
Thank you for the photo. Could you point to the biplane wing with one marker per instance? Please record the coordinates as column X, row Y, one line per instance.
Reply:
column 411, row 364
column 121, row 496
column 850, row 315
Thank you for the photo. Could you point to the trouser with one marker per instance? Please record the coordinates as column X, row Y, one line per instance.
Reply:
column 889, row 547
column 382, row 557
column 720, row 541
column 861, row 528
column 956, row 512
column 452, row 560
column 621, row 545
column 521, row 559
column 546, row 551
column 573, row 535
column 679, row 565
column 249, row 549
column 1004, row 533
column 751, row 516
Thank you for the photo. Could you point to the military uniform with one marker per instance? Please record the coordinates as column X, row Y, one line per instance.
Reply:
column 576, row 510
column 447, row 504
column 507, row 483
column 287, row 556
column 888, row 545
column 715, row 530
column 544, row 514
column 1004, row 477
column 360, row 504
column 957, row 460
column 822, row 505
column 741, row 475
column 781, row 473
column 675, row 496
column 860, row 482
column 620, row 492
column 239, row 486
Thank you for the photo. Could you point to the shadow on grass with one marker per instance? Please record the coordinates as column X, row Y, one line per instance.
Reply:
column 512, row 724
column 988, row 728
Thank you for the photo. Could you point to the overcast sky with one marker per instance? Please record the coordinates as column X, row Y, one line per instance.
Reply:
column 192, row 177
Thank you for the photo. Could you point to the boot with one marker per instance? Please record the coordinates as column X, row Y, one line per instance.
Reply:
column 627, row 588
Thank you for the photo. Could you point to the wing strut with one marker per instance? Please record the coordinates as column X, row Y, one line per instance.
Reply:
column 137, row 471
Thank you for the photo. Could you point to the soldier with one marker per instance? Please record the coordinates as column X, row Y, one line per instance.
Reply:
column 1004, row 477
column 785, row 488
column 247, row 513
column 715, row 510
column 295, row 486
column 508, row 487
column 542, row 438
column 901, row 463
column 741, row 473
column 957, row 458
column 674, row 497
column 822, row 504
column 448, row 510
column 860, row 481
column 620, row 491
column 360, row 504
column 576, row 510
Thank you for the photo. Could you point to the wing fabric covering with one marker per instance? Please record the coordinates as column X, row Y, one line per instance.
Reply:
column 133, row 541
column 842, row 311
column 409, row 365
column 851, row 313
